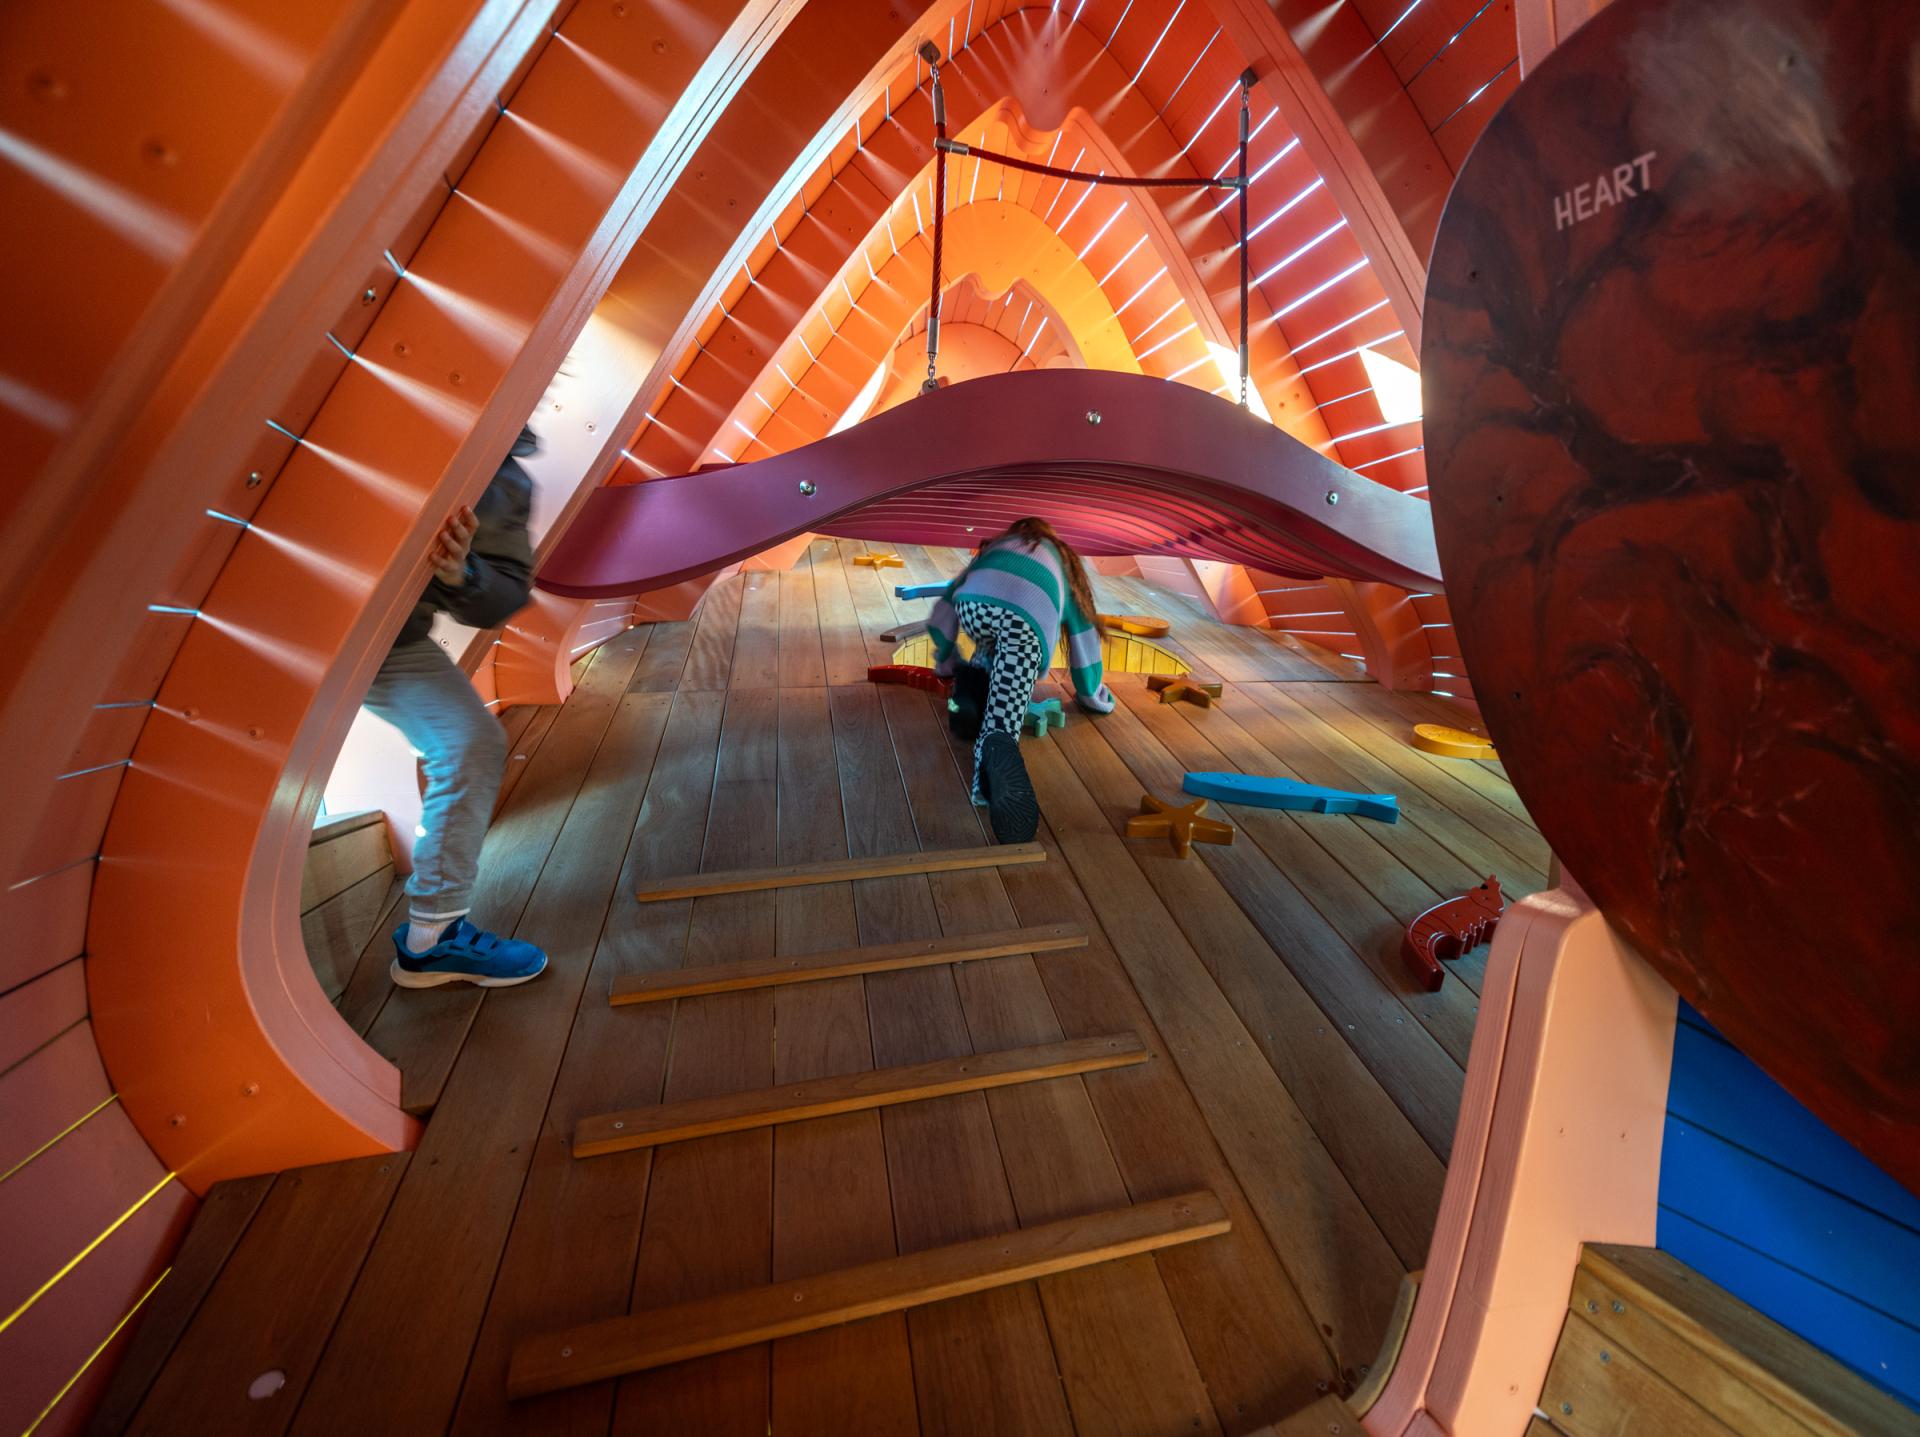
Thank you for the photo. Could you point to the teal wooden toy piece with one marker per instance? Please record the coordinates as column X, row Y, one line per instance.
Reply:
column 919, row 591
column 1043, row 715
column 1258, row 792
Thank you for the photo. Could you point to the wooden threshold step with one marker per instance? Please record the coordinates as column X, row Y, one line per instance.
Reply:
column 839, row 870
column 846, row 962
column 850, row 1092
column 658, row 1336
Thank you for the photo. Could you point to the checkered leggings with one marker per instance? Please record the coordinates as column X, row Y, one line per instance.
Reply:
column 1014, row 656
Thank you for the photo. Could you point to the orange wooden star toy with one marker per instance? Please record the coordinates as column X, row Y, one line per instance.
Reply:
column 871, row 560
column 1181, row 823
column 1172, row 686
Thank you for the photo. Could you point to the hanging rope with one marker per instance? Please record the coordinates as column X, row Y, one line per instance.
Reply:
column 1246, row 99
column 942, row 147
column 931, row 54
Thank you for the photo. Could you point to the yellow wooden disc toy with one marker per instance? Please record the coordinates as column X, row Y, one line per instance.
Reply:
column 1451, row 742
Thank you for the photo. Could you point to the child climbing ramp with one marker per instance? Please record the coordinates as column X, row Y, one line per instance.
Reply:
column 1024, row 587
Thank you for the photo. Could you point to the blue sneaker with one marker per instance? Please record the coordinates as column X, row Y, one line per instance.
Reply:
column 466, row 954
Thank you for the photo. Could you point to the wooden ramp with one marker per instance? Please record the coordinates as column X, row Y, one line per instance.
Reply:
column 1292, row 1071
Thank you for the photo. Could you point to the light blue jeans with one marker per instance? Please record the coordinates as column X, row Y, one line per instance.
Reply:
column 463, row 749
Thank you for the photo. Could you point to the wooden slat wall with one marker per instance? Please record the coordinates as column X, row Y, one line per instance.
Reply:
column 347, row 887
column 1760, row 1196
column 1650, row 1348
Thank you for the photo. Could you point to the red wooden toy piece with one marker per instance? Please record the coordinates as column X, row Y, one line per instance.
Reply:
column 1450, row 929
column 914, row 676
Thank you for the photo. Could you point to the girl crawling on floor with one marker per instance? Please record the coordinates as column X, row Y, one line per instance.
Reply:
column 1022, row 591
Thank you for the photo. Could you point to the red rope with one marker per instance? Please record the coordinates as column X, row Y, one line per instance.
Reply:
column 1014, row 162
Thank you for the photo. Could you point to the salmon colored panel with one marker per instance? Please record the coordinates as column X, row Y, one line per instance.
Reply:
column 35, row 1011
column 44, row 1350
column 197, row 564
column 677, row 602
column 49, row 1092
column 68, row 1196
column 533, row 660
column 1457, row 138
column 107, row 738
column 72, row 823
column 230, row 1032
column 45, row 921
column 240, row 488
column 1544, row 1160
column 155, row 639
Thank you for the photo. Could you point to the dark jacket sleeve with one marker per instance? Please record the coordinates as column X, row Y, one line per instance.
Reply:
column 500, row 560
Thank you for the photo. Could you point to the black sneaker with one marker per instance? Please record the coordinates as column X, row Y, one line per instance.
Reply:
column 1011, row 806
column 968, row 705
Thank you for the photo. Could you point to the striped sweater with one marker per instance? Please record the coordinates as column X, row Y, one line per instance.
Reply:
column 1030, row 582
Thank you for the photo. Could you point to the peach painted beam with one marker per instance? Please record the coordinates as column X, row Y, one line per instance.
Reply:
column 1545, row 1159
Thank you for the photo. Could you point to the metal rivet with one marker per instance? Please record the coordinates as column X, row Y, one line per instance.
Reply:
column 46, row 85
column 659, row 47
column 807, row 488
column 456, row 378
column 1592, row 1306
column 566, row 1352
column 255, row 731
column 369, row 295
column 1606, row 1357
column 1566, row 1409
column 589, row 429
column 1619, row 1307
column 189, row 714
column 619, row 1125
column 1333, row 496
column 799, row 1297
column 158, row 152
column 253, row 478
column 178, row 1120
column 1093, row 416
column 251, row 1090
column 402, row 348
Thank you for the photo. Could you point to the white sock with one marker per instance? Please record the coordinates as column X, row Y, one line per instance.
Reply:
column 422, row 936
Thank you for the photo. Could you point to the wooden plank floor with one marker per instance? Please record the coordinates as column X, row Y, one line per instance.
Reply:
column 1293, row 1069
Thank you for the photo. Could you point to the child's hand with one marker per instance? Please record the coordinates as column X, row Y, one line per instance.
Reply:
column 449, row 553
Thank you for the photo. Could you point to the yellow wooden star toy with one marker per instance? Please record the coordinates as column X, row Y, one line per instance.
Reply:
column 1180, row 823
column 879, row 561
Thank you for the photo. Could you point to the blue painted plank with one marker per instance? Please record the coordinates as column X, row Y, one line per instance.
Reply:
column 1882, row 1350
column 1719, row 1089
column 921, row 591
column 1798, row 1223
column 1257, row 791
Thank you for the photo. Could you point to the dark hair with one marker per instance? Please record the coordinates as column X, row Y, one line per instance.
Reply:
column 1032, row 532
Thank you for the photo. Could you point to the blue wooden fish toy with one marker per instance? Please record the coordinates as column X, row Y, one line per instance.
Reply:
column 1260, row 792
column 921, row 591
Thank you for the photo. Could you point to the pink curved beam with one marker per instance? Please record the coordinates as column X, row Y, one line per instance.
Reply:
column 1163, row 469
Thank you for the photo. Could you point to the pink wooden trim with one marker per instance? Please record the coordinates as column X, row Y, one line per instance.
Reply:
column 45, row 922
column 36, row 1011
column 46, row 1346
column 1558, row 1145
column 48, row 1093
